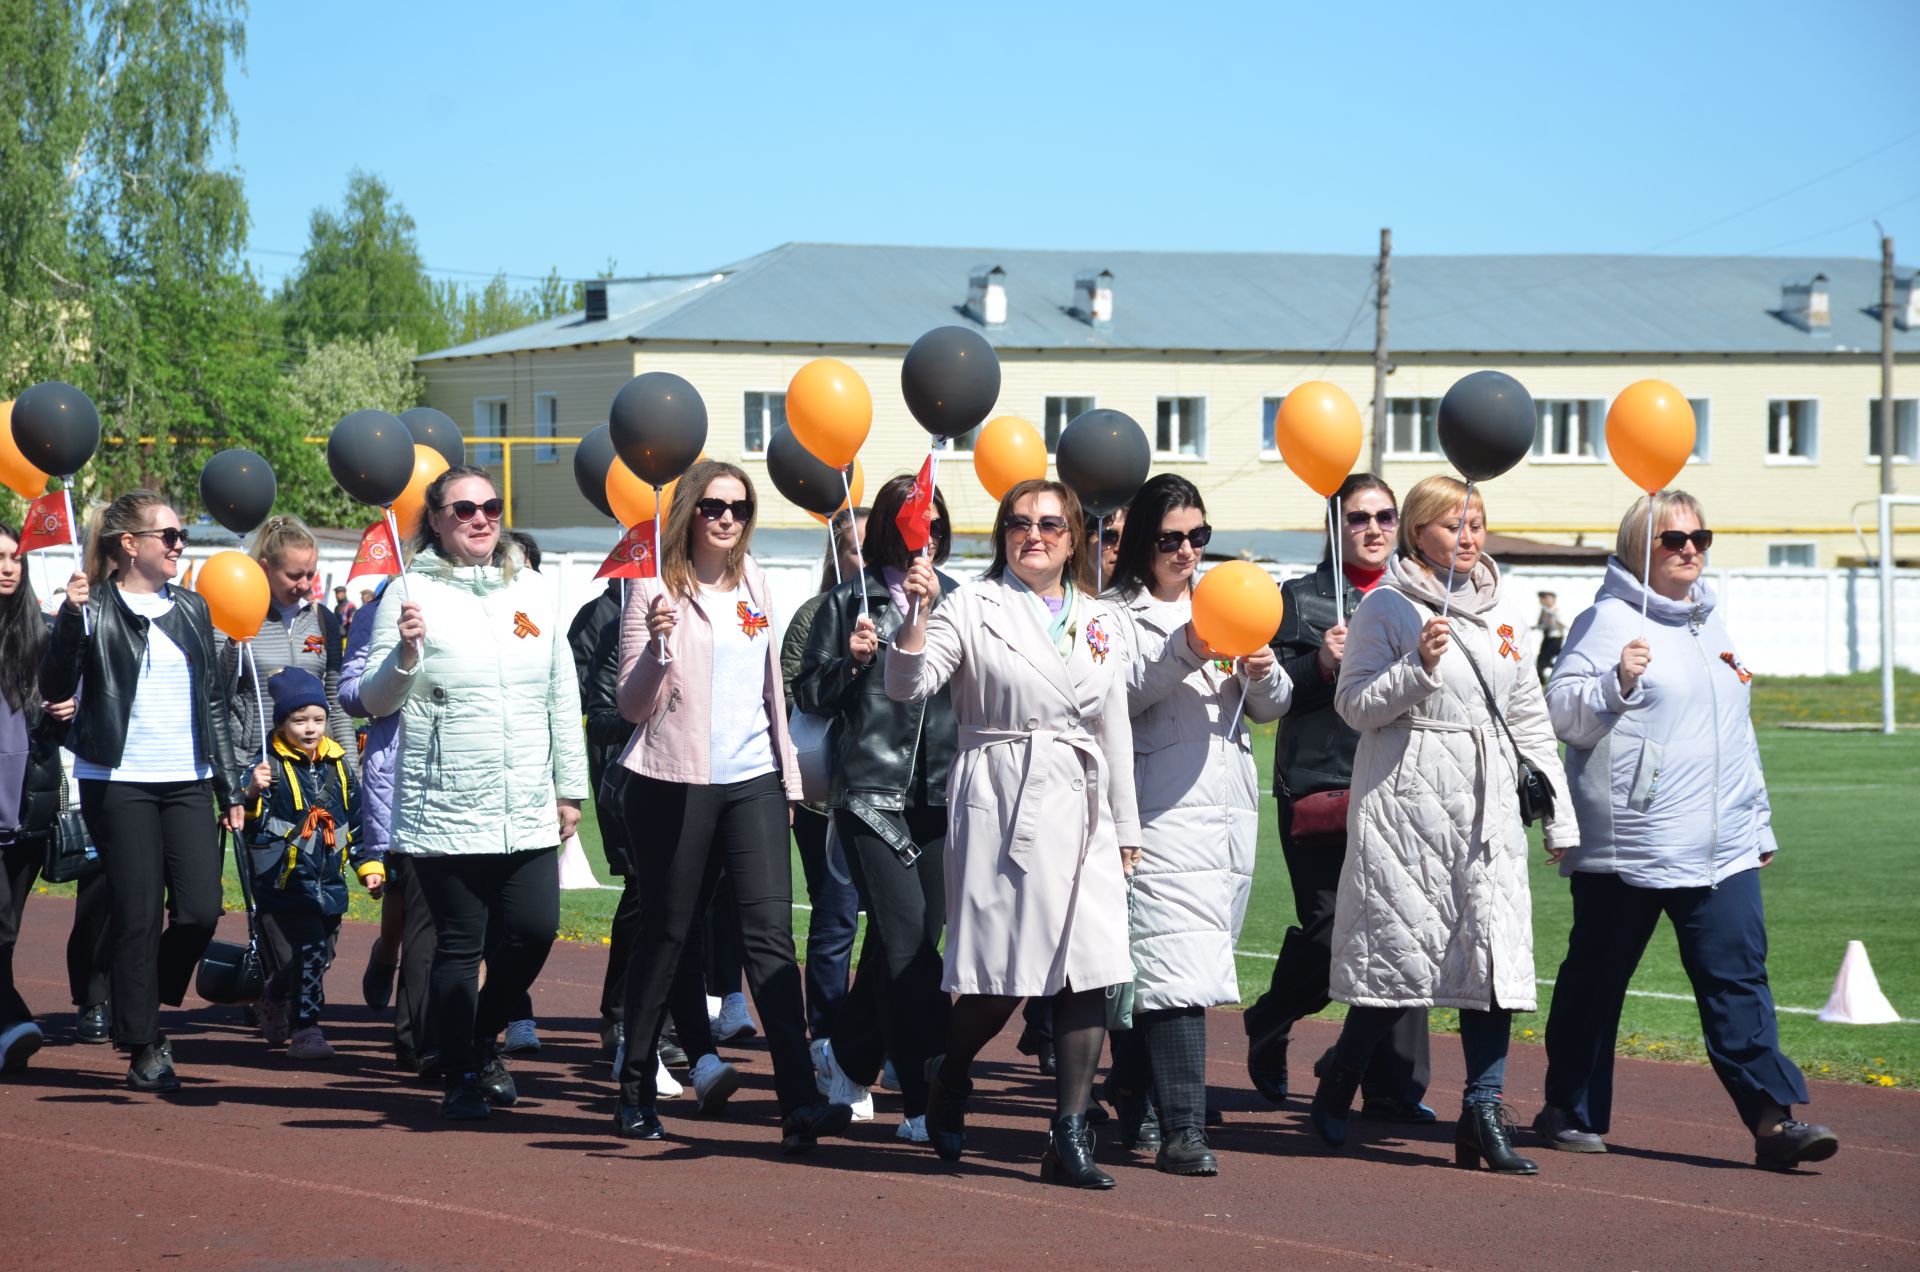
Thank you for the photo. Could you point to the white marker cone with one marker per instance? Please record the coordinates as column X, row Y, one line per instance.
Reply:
column 575, row 870
column 1856, row 998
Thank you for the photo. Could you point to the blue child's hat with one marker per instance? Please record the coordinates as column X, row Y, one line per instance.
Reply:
column 293, row 689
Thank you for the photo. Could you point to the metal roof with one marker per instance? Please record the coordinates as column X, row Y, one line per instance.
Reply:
column 1250, row 302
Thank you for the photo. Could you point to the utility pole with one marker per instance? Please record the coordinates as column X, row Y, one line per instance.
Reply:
column 1383, row 287
column 1885, row 422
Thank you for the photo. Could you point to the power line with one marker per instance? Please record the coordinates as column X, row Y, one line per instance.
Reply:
column 431, row 269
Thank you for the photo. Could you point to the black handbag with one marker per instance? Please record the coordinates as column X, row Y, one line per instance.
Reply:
column 1535, row 791
column 71, row 855
column 229, row 972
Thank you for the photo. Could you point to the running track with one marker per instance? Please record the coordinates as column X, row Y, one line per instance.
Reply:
column 261, row 1163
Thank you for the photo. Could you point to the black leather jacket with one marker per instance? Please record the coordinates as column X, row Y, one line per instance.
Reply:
column 1314, row 751
column 607, row 734
column 893, row 755
column 108, row 663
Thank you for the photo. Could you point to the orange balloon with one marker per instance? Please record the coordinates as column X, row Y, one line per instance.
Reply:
column 1008, row 451
column 1317, row 429
column 410, row 504
column 1650, row 430
column 235, row 588
column 17, row 472
column 859, row 483
column 1236, row 608
column 632, row 499
column 830, row 410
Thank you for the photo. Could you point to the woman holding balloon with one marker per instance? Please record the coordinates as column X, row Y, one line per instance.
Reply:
column 1434, row 908
column 1198, row 793
column 153, row 757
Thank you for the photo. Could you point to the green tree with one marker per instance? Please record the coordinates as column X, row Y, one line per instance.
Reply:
column 361, row 273
column 348, row 373
column 470, row 313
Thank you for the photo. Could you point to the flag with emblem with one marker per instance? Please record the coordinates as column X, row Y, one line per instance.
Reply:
column 632, row 557
column 915, row 518
column 46, row 524
column 377, row 554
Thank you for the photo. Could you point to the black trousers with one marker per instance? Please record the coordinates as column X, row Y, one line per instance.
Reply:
column 695, row 834
column 500, row 906
column 19, row 867
column 896, row 1007
column 413, row 985
column 158, row 841
column 1402, row 1066
column 89, row 951
column 626, row 922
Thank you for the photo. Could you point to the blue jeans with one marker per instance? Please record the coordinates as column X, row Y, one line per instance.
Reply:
column 1483, row 1041
column 831, row 925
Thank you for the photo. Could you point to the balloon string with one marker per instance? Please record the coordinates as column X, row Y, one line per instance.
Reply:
column 399, row 557
column 1233, row 721
column 1646, row 573
column 658, row 572
column 1446, row 602
column 1099, row 555
column 859, row 559
column 259, row 695
column 1333, row 549
column 73, row 540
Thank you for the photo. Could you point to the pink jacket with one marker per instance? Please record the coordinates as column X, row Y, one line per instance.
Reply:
column 668, row 695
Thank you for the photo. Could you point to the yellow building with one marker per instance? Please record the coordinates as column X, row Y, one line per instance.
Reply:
column 1781, row 357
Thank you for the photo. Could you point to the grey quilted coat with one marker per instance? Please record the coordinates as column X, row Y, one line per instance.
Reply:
column 1434, row 908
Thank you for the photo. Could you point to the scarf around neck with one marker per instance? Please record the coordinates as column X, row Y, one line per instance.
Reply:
column 1060, row 627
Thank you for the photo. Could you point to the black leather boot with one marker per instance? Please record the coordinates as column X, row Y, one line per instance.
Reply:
column 637, row 1121
column 1185, row 1152
column 1138, row 1120
column 1485, row 1132
column 1069, row 1156
column 1333, row 1101
column 946, row 1113
column 495, row 1082
column 152, row 1068
column 1267, row 1066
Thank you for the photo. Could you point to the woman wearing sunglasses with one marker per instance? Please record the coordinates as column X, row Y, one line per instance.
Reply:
column 1199, row 798
column 1674, row 819
column 1312, row 777
column 1041, row 828
column 712, row 770
column 153, row 759
column 490, row 772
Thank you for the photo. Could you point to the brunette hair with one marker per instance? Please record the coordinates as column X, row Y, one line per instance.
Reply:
column 528, row 545
column 883, row 544
column 280, row 534
column 1133, row 564
column 426, row 538
column 1079, row 569
column 843, row 523
column 676, row 537
column 1631, row 544
column 23, row 635
column 1353, row 485
column 129, row 514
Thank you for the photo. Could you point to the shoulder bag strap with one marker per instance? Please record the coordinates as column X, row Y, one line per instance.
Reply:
column 1492, row 706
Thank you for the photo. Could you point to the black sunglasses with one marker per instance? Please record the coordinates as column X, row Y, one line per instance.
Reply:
column 1674, row 540
column 1358, row 520
column 464, row 509
column 171, row 536
column 1049, row 528
column 1109, row 536
column 1170, row 540
column 714, row 509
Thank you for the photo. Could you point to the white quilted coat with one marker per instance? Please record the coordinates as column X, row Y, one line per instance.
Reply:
column 1199, row 796
column 1434, row 908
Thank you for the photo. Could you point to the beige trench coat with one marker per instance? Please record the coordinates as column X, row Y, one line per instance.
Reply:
column 1040, row 799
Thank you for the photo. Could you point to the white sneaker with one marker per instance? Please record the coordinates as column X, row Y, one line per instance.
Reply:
column 309, row 1044
column 821, row 1080
column 842, row 1089
column 913, row 1130
column 714, row 1082
column 733, row 1024
column 522, row 1039
column 889, row 1080
column 663, row 1084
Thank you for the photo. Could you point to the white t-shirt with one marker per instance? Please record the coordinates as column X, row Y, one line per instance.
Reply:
column 160, row 724
column 741, row 738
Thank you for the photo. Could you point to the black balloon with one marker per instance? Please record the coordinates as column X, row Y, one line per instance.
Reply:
column 806, row 481
column 951, row 379
column 1486, row 424
column 591, row 460
column 56, row 427
column 371, row 455
column 237, row 489
column 1103, row 457
column 429, row 427
column 659, row 426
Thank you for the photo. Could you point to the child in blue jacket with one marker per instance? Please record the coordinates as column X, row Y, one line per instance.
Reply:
column 303, row 821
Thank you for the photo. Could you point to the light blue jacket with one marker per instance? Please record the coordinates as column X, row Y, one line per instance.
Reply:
column 1666, row 781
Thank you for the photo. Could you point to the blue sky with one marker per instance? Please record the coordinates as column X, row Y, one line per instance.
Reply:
column 677, row 138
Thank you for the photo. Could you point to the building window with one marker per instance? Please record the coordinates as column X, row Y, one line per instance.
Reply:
column 1793, row 430
column 1413, row 428
column 1568, row 429
column 1702, row 430
column 964, row 442
column 489, row 420
column 1180, row 427
column 1906, row 430
column 546, row 423
column 1062, row 411
column 1792, row 556
column 1269, row 444
column 766, row 415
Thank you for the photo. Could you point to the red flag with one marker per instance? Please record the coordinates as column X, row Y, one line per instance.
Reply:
column 45, row 525
column 377, row 554
column 915, row 518
column 632, row 557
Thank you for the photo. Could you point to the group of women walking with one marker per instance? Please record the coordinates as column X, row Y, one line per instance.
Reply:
column 1037, row 789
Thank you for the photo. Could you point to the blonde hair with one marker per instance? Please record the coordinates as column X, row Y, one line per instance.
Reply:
column 676, row 537
column 281, row 534
column 1430, row 500
column 129, row 514
column 1631, row 543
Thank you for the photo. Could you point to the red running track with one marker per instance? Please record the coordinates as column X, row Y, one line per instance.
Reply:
column 260, row 1162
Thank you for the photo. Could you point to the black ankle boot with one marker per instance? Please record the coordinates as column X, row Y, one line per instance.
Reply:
column 1069, row 1156
column 496, row 1083
column 1185, row 1152
column 1138, row 1120
column 1485, row 1132
column 1333, row 1101
column 946, row 1113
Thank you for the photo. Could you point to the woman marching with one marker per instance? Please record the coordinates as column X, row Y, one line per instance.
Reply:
column 1041, row 823
column 490, row 771
column 711, row 773
column 1434, row 908
column 1674, row 819
column 154, row 761
column 1199, row 797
